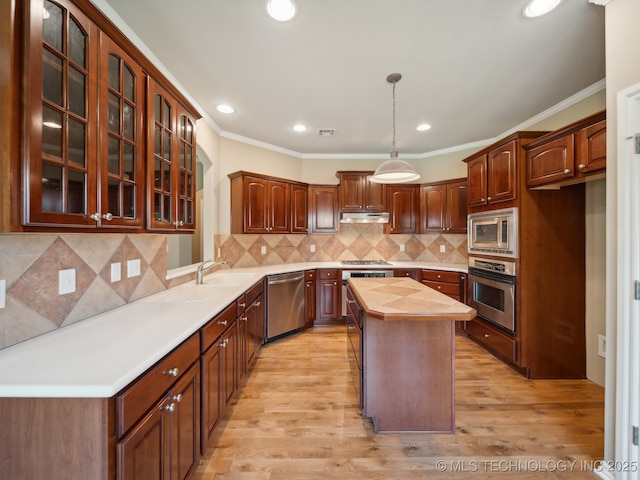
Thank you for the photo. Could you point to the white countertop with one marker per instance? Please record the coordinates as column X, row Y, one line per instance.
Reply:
column 99, row 356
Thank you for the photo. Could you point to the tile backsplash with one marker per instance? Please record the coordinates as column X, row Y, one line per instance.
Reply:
column 30, row 265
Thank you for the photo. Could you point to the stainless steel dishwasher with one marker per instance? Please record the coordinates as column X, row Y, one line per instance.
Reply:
column 285, row 303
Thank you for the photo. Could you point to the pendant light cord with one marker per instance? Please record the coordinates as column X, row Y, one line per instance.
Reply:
column 393, row 142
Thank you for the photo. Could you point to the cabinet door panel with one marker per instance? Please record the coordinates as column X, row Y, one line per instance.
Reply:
column 299, row 209
column 456, row 212
column 501, row 170
column 329, row 300
column 550, row 162
column 433, row 199
column 185, row 424
column 211, row 394
column 145, row 451
column 352, row 192
column 279, row 207
column 256, row 213
column 403, row 209
column 375, row 196
column 324, row 209
column 477, row 178
column 591, row 148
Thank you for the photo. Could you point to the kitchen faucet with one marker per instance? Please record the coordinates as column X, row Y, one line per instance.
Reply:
column 202, row 268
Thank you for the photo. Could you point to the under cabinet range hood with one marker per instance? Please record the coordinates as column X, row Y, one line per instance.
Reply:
column 364, row 217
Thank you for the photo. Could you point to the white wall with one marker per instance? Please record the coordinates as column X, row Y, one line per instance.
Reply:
column 622, row 37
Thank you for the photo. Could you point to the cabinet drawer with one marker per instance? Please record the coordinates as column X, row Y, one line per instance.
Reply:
column 328, row 274
column 451, row 289
column 216, row 327
column 440, row 276
column 310, row 275
column 133, row 402
column 499, row 343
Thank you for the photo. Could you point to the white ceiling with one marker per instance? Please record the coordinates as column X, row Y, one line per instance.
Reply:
column 473, row 69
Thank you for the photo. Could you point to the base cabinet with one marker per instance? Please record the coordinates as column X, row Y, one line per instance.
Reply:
column 453, row 284
column 310, row 297
column 329, row 295
column 493, row 339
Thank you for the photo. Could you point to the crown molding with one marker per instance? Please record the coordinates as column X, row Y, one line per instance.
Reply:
column 602, row 3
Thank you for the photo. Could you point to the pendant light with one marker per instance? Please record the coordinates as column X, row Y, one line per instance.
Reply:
column 394, row 170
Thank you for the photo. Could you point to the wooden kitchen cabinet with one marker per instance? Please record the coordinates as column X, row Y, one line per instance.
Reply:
column 492, row 173
column 359, row 194
column 85, row 142
column 159, row 437
column 310, row 296
column 329, row 296
column 444, row 207
column 260, row 204
column 299, row 208
column 453, row 284
column 403, row 203
column 573, row 154
column 171, row 162
column 323, row 209
column 406, row 272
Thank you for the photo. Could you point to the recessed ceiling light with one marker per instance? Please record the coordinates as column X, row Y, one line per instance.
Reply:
column 228, row 109
column 423, row 127
column 536, row 8
column 281, row 10
column 298, row 127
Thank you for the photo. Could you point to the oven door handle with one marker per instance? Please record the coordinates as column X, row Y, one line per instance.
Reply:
column 497, row 277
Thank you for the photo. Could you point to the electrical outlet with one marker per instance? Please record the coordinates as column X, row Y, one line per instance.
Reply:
column 443, row 249
column 116, row 269
column 66, row 281
column 263, row 250
column 312, row 248
column 3, row 293
column 602, row 346
column 133, row 268
column 402, row 247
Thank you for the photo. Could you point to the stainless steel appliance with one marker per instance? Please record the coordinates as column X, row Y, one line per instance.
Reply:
column 493, row 233
column 285, row 303
column 363, row 273
column 492, row 291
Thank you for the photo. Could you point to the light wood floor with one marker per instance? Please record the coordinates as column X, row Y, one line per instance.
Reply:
column 296, row 419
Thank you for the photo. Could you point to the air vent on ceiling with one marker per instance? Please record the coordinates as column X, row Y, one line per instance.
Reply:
column 326, row 132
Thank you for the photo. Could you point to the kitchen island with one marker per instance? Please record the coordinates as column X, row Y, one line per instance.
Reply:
column 402, row 353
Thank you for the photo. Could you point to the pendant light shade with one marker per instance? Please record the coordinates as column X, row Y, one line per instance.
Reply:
column 394, row 170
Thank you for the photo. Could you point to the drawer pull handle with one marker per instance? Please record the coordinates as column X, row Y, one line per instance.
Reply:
column 170, row 408
column 172, row 372
column 244, row 319
column 257, row 304
column 243, row 305
column 351, row 327
column 223, row 343
column 177, row 398
column 222, row 322
column 350, row 302
column 352, row 359
column 487, row 335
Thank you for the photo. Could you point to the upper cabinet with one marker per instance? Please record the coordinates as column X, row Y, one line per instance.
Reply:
column 492, row 172
column 404, row 206
column 323, row 209
column 171, row 162
column 359, row 194
column 573, row 154
column 103, row 144
column 263, row 204
column 444, row 207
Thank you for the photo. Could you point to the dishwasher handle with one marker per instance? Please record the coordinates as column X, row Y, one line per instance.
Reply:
column 276, row 281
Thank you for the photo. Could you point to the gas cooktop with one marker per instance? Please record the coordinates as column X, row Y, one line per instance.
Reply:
column 364, row 262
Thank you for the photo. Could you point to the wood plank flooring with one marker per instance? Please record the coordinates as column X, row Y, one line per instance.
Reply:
column 296, row 419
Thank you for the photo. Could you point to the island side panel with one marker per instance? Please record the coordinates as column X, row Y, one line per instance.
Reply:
column 409, row 375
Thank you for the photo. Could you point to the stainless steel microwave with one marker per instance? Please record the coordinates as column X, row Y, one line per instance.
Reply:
column 493, row 233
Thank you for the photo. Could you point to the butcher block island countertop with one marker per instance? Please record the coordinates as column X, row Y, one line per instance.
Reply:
column 401, row 345
column 401, row 298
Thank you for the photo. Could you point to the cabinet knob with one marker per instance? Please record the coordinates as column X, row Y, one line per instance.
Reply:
column 177, row 398
column 107, row 216
column 335, row 283
column 349, row 301
column 222, row 322
column 439, row 287
column 488, row 199
column 170, row 408
column 178, row 223
column 566, row 170
column 487, row 335
column 258, row 303
column 243, row 304
column 172, row 372
column 95, row 217
column 352, row 359
column 244, row 319
column 582, row 166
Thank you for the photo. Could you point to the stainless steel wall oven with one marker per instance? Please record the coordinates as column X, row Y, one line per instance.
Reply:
column 492, row 291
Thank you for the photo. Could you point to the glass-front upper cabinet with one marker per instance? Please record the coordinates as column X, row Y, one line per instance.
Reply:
column 85, row 107
column 121, row 138
column 170, row 163
column 61, row 116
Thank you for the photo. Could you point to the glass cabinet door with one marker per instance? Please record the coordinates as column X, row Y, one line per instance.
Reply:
column 61, row 116
column 171, row 162
column 121, row 138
